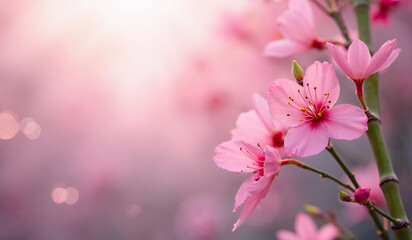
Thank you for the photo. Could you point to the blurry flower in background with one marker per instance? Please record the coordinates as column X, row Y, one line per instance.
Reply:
column 253, row 26
column 298, row 28
column 132, row 210
column 380, row 12
column 199, row 217
column 306, row 230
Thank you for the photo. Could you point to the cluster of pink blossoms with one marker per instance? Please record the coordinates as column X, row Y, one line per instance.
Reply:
column 298, row 119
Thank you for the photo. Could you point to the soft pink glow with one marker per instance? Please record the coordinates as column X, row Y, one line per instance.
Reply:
column 9, row 126
column 68, row 195
column 59, row 195
column 30, row 128
column 132, row 211
column 72, row 195
column 199, row 217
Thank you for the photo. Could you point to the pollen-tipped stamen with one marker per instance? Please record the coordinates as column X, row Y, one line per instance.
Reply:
column 248, row 154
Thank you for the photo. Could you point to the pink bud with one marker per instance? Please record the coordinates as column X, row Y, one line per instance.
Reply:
column 362, row 194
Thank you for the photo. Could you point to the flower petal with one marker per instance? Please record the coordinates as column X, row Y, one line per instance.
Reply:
column 250, row 128
column 305, row 227
column 272, row 161
column 390, row 59
column 346, row 122
column 307, row 139
column 262, row 109
column 229, row 156
column 249, row 207
column 328, row 232
column 359, row 59
column 283, row 48
column 323, row 77
column 296, row 28
column 260, row 185
column 340, row 59
column 380, row 57
column 303, row 6
column 243, row 192
column 286, row 235
column 279, row 92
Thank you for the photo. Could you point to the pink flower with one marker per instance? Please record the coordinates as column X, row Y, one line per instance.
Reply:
column 382, row 13
column 297, row 26
column 258, row 126
column 306, row 230
column 310, row 112
column 241, row 157
column 358, row 63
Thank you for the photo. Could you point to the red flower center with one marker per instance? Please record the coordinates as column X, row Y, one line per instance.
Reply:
column 314, row 109
column 278, row 139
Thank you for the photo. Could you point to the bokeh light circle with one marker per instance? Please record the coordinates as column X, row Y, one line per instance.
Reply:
column 9, row 126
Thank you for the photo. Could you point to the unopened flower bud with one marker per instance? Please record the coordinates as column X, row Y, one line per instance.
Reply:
column 313, row 210
column 344, row 196
column 362, row 194
column 297, row 72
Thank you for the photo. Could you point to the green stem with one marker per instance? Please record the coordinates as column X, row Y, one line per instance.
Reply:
column 389, row 183
column 372, row 206
column 342, row 27
column 321, row 7
column 320, row 172
column 335, row 14
column 381, row 230
column 350, row 174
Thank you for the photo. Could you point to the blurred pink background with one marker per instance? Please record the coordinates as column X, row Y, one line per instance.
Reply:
column 110, row 112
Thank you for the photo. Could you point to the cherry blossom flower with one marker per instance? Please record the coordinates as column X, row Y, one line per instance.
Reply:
column 381, row 14
column 297, row 26
column 306, row 230
column 258, row 126
column 358, row 63
column 310, row 112
column 241, row 157
column 199, row 217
